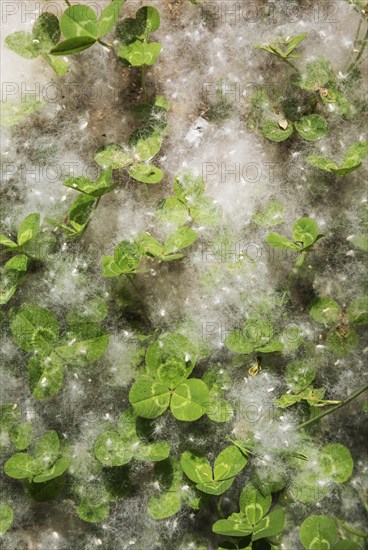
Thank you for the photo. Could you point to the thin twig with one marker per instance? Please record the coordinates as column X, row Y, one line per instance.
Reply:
column 333, row 409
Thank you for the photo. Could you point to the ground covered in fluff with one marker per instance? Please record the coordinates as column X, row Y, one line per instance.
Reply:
column 222, row 92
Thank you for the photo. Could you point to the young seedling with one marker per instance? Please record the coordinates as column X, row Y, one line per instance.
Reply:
column 305, row 236
column 258, row 336
column 316, row 476
column 118, row 447
column 284, row 47
column 271, row 215
column 40, row 43
column 36, row 330
column 189, row 203
column 48, row 461
column 320, row 531
column 342, row 339
column 353, row 159
column 173, row 491
column 299, row 375
column 135, row 48
column 30, row 245
column 82, row 28
column 216, row 480
column 165, row 382
column 253, row 521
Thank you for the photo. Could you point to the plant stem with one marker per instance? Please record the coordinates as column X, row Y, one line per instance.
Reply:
column 345, row 402
column 360, row 53
column 351, row 529
column 143, row 82
column 68, row 3
column 105, row 44
column 291, row 64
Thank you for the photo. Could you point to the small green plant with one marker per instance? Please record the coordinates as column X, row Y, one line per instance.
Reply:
column 271, row 215
column 320, row 531
column 36, row 331
column 118, row 447
column 30, row 245
column 352, row 160
column 216, row 480
column 253, row 521
column 284, row 47
column 48, row 461
column 342, row 338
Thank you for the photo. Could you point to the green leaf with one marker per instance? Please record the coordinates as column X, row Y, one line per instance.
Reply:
column 48, row 448
column 46, row 375
column 46, row 31
column 318, row 533
column 60, row 66
column 279, row 241
column 127, row 256
column 336, row 462
column 190, row 400
column 171, row 359
column 5, row 241
column 235, row 526
column 9, row 415
column 153, row 452
column 139, row 53
column 299, row 375
column 318, row 74
column 287, row 400
column 236, row 342
column 355, row 155
column 305, row 230
column 272, row 130
column 342, row 342
column 182, row 238
column 14, row 112
column 219, row 410
column 172, row 210
column 346, row 545
column 35, row 329
column 21, row 435
column 255, row 501
column 83, row 344
column 323, row 163
column 73, row 45
column 79, row 21
column 324, row 310
column 358, row 311
column 80, row 214
column 270, row 525
column 84, row 185
column 229, row 463
column 109, row 17
column 150, row 246
column 149, row 399
column 164, row 505
column 312, row 127
column 13, row 273
column 271, row 215
column 112, row 450
column 146, row 142
column 22, row 43
column 294, row 42
column 148, row 19
column 92, row 512
column 146, row 173
column 188, row 187
column 196, row 467
column 112, row 156
column 28, row 228
column 6, row 518
column 21, row 466
column 57, row 470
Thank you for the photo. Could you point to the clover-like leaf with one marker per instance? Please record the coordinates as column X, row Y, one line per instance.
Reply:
column 22, row 466
column 312, row 127
column 305, row 230
column 255, row 501
column 46, row 31
column 358, row 311
column 190, row 400
column 109, row 17
column 336, row 462
column 112, row 450
column 22, row 43
column 79, row 21
column 28, row 228
column 234, row 526
column 6, row 518
column 139, row 53
column 279, row 241
column 149, row 399
column 46, row 375
column 91, row 511
column 35, row 329
column 146, row 173
column 196, row 467
column 73, row 45
column 342, row 341
column 83, row 343
column 299, row 375
column 271, row 215
column 182, row 238
column 272, row 130
column 318, row 532
column 229, row 463
column 324, row 310
column 112, row 156
column 270, row 526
